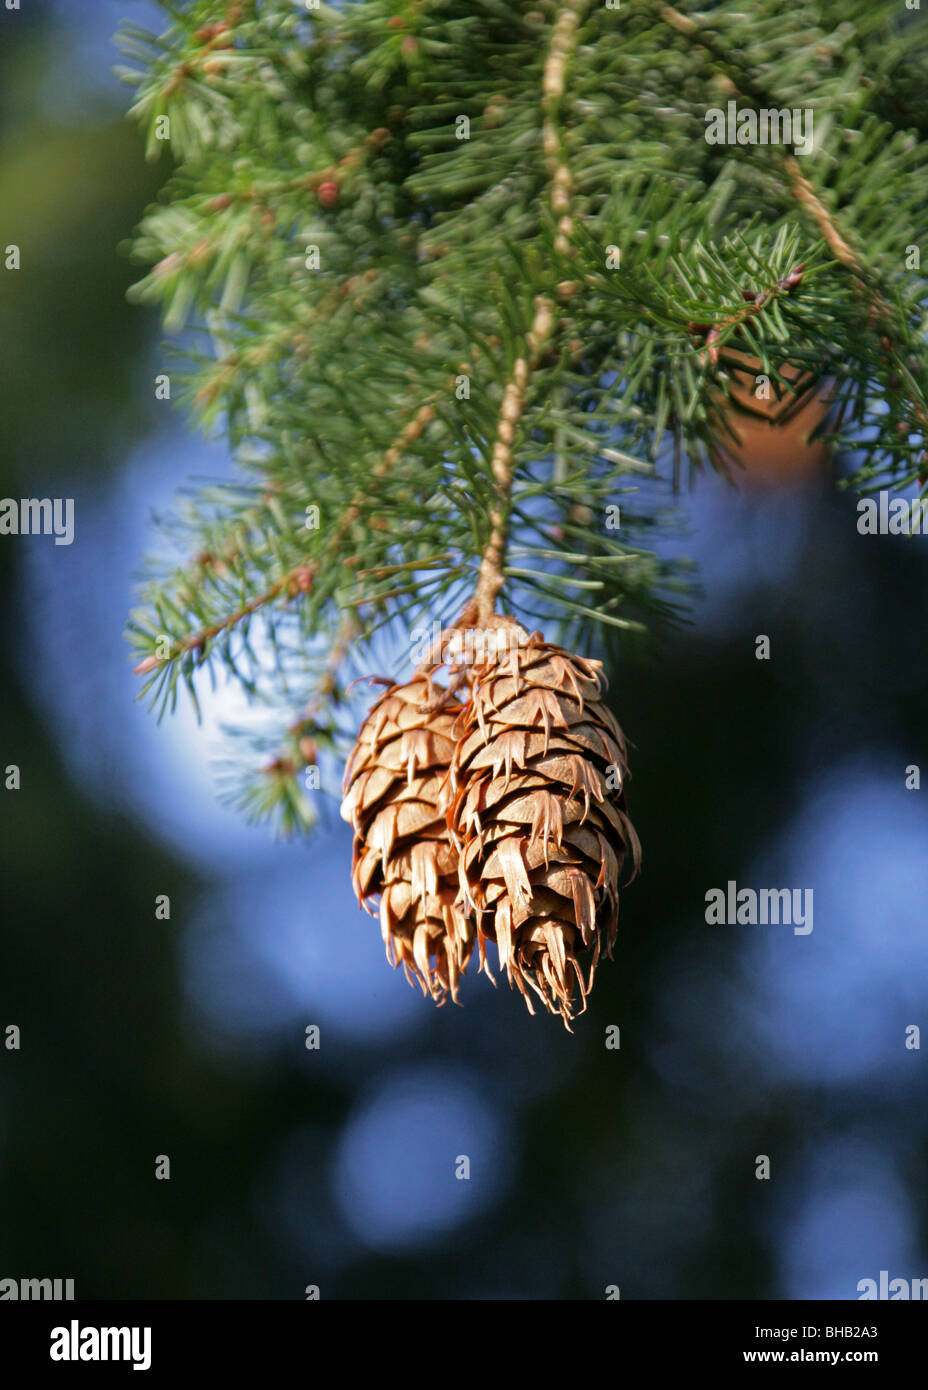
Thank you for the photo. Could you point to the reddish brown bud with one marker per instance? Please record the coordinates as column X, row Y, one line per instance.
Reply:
column 149, row 664
column 327, row 193
column 208, row 32
column 301, row 580
column 280, row 767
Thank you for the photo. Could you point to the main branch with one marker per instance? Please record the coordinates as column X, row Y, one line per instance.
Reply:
column 544, row 325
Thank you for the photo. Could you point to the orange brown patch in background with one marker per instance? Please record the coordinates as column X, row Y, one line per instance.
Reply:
column 773, row 440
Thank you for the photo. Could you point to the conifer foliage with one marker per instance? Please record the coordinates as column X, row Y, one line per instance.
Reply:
column 463, row 283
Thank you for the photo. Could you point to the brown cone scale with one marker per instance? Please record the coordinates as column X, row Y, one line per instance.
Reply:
column 538, row 817
column 395, row 792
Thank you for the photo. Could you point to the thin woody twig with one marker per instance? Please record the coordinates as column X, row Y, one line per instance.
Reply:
column 300, row 578
column 755, row 303
column 490, row 579
column 348, row 163
column 544, row 325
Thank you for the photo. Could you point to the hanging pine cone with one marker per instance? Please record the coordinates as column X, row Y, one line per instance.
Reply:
column 538, row 816
column 395, row 788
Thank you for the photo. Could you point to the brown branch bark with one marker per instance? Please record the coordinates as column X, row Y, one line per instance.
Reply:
column 300, row 578
column 544, row 325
